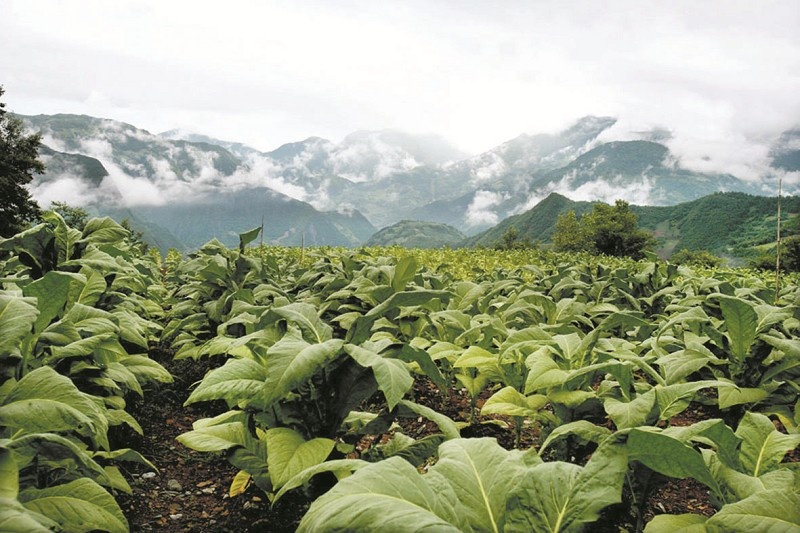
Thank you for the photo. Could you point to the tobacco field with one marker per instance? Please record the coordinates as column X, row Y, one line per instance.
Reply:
column 401, row 390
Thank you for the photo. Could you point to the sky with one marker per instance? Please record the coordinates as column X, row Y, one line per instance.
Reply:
column 722, row 76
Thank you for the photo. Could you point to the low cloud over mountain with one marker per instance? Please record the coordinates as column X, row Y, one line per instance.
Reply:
column 373, row 178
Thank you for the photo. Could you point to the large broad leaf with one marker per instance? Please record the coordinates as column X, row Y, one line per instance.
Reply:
column 561, row 496
column 9, row 475
column 238, row 380
column 17, row 318
column 103, row 231
column 214, row 438
column 682, row 523
column 771, row 510
column 288, row 454
column 392, row 375
column 480, row 473
column 404, row 272
column 292, row 362
column 631, row 414
column 583, row 429
column 14, row 518
column 445, row 423
column 341, row 468
column 763, row 446
column 741, row 320
column 510, row 402
column 247, row 237
column 363, row 325
column 81, row 505
column 45, row 401
column 305, row 317
column 51, row 292
column 387, row 496
column 145, row 369
column 58, row 453
column 89, row 292
column 669, row 456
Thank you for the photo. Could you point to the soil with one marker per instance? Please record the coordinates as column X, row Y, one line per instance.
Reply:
column 190, row 490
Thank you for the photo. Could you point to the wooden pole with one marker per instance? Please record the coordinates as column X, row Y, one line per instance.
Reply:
column 778, row 254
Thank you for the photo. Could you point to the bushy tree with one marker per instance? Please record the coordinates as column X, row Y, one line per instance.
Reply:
column 18, row 163
column 696, row 257
column 75, row 217
column 512, row 241
column 608, row 229
column 568, row 236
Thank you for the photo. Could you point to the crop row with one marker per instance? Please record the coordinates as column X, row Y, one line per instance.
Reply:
column 324, row 350
column 77, row 312
column 589, row 362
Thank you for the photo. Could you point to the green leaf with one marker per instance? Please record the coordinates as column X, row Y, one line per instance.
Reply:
column 669, row 456
column 305, row 317
column 214, row 438
column 146, row 370
column 392, row 375
column 17, row 318
column 341, row 468
column 410, row 354
column 288, row 454
column 730, row 396
column 631, row 414
column 480, row 473
column 45, row 401
column 682, row 523
column 103, row 231
column 247, row 237
column 561, row 496
column 770, row 510
column 674, row 399
column 292, row 362
column 583, row 429
column 390, row 496
column 741, row 321
column 404, row 272
column 81, row 505
column 9, row 475
column 445, row 423
column 14, row 518
column 237, row 380
column 510, row 402
column 763, row 446
column 89, row 292
column 51, row 292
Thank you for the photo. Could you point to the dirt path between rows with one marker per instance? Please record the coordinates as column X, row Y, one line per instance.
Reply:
column 190, row 490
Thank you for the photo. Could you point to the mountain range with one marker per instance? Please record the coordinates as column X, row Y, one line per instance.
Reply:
column 183, row 188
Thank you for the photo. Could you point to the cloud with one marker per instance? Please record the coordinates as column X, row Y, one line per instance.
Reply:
column 69, row 189
column 480, row 210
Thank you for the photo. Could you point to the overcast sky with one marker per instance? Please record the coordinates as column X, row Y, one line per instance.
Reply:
column 723, row 76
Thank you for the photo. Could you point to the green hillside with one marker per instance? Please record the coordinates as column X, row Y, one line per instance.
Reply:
column 416, row 234
column 733, row 225
column 537, row 224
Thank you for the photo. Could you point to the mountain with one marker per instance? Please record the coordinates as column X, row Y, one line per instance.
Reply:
column 342, row 190
column 644, row 167
column 286, row 221
column 734, row 225
column 416, row 234
column 114, row 168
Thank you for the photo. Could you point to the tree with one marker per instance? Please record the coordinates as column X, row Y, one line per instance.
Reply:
column 610, row 230
column 18, row 163
column 696, row 258
column 75, row 217
column 510, row 240
column 568, row 236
